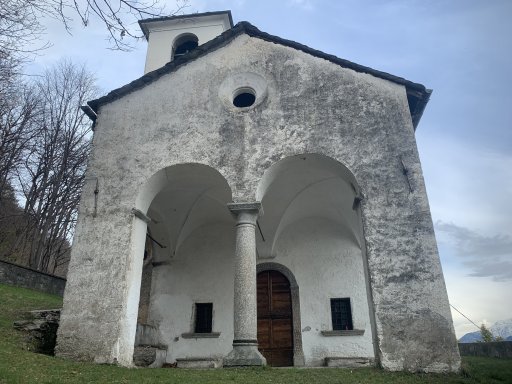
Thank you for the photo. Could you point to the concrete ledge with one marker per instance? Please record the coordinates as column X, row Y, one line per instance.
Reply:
column 192, row 335
column 348, row 362
column 351, row 332
column 198, row 362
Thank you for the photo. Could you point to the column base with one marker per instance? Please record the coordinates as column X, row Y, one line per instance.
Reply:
column 244, row 354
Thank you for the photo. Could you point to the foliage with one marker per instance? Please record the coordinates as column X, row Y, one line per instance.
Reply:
column 21, row 366
column 487, row 335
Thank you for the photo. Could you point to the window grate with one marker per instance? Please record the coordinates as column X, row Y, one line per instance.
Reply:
column 341, row 314
column 203, row 318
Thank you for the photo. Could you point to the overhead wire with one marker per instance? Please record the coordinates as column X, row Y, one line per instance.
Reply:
column 472, row 322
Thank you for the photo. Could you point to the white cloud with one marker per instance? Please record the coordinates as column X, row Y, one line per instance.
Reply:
column 481, row 299
column 488, row 256
column 467, row 184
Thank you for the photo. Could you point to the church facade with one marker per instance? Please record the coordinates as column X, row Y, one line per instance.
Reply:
column 253, row 201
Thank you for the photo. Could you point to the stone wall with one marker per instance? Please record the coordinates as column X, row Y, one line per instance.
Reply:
column 500, row 349
column 25, row 277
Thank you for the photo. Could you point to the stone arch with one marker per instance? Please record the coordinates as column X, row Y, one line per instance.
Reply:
column 336, row 167
column 199, row 183
column 298, row 352
column 160, row 179
column 172, row 204
column 329, row 194
column 288, row 187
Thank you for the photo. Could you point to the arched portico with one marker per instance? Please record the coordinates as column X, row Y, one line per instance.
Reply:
column 307, row 185
column 312, row 231
column 192, row 235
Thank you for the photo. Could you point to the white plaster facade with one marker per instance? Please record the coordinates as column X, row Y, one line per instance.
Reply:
column 320, row 178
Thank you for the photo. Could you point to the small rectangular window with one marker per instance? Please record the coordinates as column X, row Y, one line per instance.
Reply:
column 341, row 314
column 204, row 313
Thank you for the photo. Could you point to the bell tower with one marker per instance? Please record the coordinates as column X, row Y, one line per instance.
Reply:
column 173, row 36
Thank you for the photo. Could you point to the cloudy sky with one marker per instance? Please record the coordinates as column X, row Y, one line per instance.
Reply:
column 462, row 49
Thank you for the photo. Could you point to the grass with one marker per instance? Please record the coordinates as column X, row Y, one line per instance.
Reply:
column 18, row 365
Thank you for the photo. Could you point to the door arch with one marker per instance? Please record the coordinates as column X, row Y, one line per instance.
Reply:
column 289, row 344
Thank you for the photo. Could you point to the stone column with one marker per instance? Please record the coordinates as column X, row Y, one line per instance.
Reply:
column 245, row 344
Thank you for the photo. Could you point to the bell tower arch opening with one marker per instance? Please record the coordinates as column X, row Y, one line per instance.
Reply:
column 183, row 45
column 171, row 37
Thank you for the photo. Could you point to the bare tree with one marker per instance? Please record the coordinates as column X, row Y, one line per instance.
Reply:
column 52, row 176
column 18, row 113
column 20, row 28
column 20, row 20
column 120, row 17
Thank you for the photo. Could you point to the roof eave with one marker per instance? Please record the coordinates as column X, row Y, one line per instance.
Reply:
column 417, row 94
column 417, row 103
column 144, row 22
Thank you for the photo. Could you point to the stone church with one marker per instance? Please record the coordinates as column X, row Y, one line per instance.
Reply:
column 250, row 200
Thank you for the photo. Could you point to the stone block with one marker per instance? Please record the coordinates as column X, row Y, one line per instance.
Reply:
column 199, row 362
column 148, row 356
column 348, row 362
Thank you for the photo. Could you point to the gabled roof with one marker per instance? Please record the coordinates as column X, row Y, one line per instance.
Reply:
column 417, row 94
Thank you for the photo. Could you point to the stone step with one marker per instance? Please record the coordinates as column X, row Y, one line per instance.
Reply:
column 348, row 362
column 198, row 362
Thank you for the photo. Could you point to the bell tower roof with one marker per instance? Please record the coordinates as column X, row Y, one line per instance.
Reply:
column 171, row 36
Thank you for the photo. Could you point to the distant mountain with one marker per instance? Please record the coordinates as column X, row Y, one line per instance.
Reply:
column 501, row 328
column 471, row 337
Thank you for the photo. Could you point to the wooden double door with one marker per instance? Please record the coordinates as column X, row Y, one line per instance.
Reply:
column 275, row 321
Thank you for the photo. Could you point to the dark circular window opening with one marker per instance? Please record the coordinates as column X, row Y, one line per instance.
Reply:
column 244, row 97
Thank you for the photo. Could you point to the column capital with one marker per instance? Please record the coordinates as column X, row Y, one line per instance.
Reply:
column 254, row 208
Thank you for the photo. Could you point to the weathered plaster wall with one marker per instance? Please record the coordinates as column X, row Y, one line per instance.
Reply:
column 312, row 106
column 201, row 272
column 326, row 265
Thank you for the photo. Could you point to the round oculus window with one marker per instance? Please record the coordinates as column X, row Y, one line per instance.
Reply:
column 243, row 91
column 244, row 97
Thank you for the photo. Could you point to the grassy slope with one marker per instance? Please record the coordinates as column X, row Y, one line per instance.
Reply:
column 18, row 365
